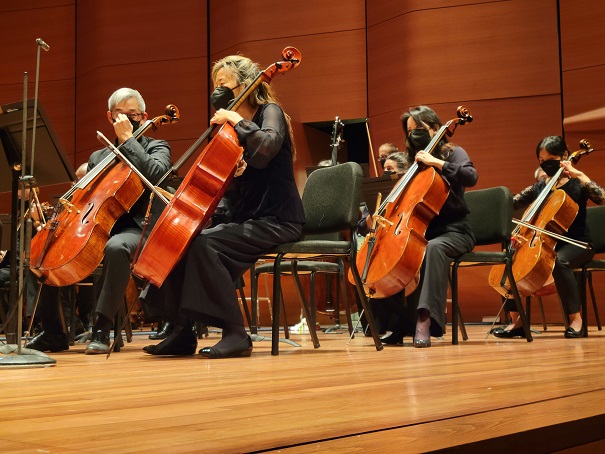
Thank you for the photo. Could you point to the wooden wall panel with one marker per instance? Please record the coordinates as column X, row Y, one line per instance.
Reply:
column 54, row 22
column 583, row 74
column 331, row 79
column 385, row 10
column 463, row 52
column 164, row 57
column 583, row 63
column 178, row 82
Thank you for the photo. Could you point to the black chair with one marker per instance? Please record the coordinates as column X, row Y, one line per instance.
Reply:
column 491, row 212
column 595, row 218
column 331, row 202
column 312, row 268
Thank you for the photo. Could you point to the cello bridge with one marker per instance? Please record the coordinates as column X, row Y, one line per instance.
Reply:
column 381, row 221
column 68, row 205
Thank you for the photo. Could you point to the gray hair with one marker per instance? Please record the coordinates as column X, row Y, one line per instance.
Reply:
column 123, row 94
column 399, row 158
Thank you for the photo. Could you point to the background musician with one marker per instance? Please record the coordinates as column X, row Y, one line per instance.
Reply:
column 449, row 234
column 551, row 151
column 266, row 211
column 152, row 158
column 384, row 151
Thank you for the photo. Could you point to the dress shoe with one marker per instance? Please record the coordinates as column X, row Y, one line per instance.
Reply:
column 164, row 332
column 98, row 344
column 47, row 342
column 238, row 349
column 571, row 333
column 422, row 343
column 182, row 342
column 392, row 339
column 509, row 334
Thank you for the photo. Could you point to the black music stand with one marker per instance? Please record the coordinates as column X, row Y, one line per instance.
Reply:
column 52, row 168
column 370, row 187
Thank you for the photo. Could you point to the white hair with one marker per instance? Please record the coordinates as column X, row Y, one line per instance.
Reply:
column 122, row 94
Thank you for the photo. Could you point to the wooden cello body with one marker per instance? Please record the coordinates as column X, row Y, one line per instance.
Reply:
column 400, row 244
column 392, row 254
column 192, row 205
column 71, row 244
column 535, row 238
column 534, row 258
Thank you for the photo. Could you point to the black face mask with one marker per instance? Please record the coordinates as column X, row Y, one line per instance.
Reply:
column 135, row 124
column 551, row 167
column 419, row 139
column 221, row 97
column 388, row 172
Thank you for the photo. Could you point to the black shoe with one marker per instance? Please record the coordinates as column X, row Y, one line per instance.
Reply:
column 239, row 349
column 571, row 333
column 99, row 343
column 164, row 332
column 182, row 342
column 392, row 339
column 509, row 334
column 47, row 342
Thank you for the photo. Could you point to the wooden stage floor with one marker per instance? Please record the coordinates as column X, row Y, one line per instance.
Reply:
column 480, row 396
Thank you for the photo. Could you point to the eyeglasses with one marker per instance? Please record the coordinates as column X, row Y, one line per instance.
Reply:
column 132, row 115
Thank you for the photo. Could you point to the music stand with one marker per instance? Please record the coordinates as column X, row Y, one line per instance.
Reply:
column 53, row 168
column 370, row 187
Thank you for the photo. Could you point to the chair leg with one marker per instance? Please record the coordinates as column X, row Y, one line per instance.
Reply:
column 72, row 320
column 455, row 308
column 364, row 302
column 283, row 309
column 253, row 301
column 544, row 326
column 242, row 297
column 276, row 305
column 594, row 300
column 309, row 315
column 583, row 278
column 461, row 324
column 345, row 298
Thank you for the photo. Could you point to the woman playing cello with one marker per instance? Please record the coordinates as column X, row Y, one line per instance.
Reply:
column 551, row 153
column 449, row 233
column 265, row 208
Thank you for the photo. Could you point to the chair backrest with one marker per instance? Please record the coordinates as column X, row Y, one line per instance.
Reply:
column 595, row 218
column 491, row 212
column 331, row 198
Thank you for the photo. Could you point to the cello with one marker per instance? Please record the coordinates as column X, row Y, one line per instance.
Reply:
column 195, row 200
column 535, row 237
column 71, row 244
column 392, row 253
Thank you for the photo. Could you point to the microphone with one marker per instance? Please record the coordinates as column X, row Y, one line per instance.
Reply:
column 42, row 44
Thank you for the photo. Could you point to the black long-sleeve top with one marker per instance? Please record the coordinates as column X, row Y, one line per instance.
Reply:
column 579, row 192
column 267, row 187
column 459, row 172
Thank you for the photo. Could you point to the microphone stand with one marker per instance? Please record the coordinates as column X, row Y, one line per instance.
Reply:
column 17, row 356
